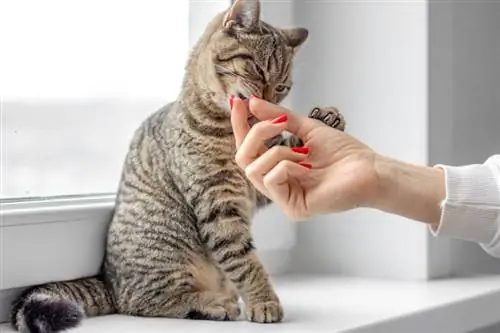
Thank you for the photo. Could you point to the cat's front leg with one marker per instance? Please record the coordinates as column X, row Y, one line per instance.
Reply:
column 329, row 116
column 224, row 227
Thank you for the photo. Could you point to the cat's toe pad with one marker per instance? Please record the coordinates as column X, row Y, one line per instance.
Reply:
column 330, row 116
column 220, row 309
column 265, row 312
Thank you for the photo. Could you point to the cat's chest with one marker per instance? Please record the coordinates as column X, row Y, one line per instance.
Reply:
column 210, row 160
column 216, row 169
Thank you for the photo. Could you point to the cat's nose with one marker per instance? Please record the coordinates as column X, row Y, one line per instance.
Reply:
column 269, row 96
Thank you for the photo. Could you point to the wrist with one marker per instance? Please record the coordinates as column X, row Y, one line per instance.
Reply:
column 412, row 191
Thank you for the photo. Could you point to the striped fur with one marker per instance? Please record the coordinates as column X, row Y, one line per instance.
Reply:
column 179, row 243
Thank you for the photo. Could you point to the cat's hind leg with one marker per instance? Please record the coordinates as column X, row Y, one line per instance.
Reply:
column 178, row 295
column 162, row 270
column 209, row 279
column 210, row 305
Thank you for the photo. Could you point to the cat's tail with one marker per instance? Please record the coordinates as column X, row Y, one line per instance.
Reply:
column 59, row 306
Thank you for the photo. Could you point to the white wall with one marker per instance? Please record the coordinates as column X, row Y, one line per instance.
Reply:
column 200, row 14
column 419, row 81
column 369, row 59
column 465, row 102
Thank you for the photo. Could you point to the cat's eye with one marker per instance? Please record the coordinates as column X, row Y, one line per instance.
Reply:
column 232, row 56
column 281, row 89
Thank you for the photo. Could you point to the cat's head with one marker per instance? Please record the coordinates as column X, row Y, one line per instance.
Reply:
column 240, row 55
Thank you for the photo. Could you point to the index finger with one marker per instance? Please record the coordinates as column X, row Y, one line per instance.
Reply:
column 239, row 121
column 297, row 124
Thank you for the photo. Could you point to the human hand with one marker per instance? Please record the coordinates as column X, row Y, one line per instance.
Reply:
column 337, row 174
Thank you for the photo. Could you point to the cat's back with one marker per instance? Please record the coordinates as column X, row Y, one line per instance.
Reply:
column 153, row 135
column 155, row 123
column 145, row 163
column 147, row 184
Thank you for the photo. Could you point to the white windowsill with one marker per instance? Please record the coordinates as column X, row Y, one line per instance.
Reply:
column 33, row 232
column 62, row 239
column 334, row 304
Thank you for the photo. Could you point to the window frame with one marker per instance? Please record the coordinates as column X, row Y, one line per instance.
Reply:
column 25, row 223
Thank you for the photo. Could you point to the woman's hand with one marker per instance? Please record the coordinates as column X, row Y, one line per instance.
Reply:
column 336, row 174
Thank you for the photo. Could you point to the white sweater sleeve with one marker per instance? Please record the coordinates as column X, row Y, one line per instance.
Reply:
column 471, row 210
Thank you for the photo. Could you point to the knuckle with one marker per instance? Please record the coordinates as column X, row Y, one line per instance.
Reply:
column 267, row 180
column 250, row 172
column 270, row 179
column 285, row 165
column 240, row 159
column 259, row 127
column 276, row 151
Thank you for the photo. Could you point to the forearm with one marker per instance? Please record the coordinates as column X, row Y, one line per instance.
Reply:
column 460, row 202
column 408, row 190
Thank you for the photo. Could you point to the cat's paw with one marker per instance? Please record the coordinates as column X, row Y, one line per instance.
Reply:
column 233, row 310
column 218, row 309
column 233, row 297
column 329, row 116
column 265, row 312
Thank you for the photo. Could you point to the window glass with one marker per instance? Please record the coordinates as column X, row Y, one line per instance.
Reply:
column 76, row 79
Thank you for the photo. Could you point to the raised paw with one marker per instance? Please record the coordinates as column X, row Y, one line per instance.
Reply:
column 329, row 116
column 265, row 312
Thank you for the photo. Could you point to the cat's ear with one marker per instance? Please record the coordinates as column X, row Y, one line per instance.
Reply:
column 244, row 14
column 295, row 36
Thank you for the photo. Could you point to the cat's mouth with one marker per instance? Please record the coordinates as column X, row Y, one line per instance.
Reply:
column 241, row 96
column 245, row 98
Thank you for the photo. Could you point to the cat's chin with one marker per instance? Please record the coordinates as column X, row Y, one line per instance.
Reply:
column 242, row 96
column 224, row 103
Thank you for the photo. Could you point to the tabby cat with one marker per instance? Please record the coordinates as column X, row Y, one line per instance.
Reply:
column 179, row 243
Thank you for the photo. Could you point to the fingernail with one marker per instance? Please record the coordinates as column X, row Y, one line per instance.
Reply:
column 280, row 119
column 301, row 150
column 253, row 96
column 231, row 99
column 306, row 165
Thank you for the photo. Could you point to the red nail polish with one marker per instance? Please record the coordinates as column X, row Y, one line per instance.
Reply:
column 231, row 99
column 306, row 165
column 280, row 119
column 253, row 96
column 301, row 150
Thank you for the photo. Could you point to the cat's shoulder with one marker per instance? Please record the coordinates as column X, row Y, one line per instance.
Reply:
column 160, row 117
